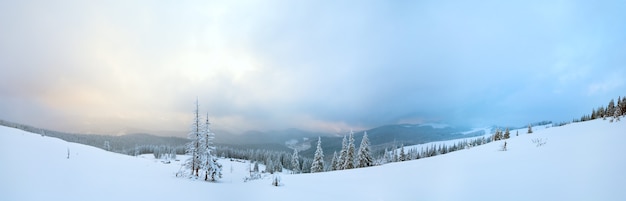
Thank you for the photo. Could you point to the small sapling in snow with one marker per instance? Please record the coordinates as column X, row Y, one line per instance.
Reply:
column 276, row 181
column 539, row 141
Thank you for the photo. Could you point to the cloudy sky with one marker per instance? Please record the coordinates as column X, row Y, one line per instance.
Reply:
column 118, row 66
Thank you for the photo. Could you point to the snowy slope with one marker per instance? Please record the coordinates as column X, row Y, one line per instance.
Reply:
column 488, row 133
column 581, row 161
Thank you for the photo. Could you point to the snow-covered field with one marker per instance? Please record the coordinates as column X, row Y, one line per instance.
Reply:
column 582, row 161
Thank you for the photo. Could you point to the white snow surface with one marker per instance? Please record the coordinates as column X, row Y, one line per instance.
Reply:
column 581, row 161
column 488, row 133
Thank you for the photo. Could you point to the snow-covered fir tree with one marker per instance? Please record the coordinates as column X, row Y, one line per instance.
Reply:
column 193, row 148
column 318, row 159
column 342, row 154
column 256, row 167
column 610, row 110
column 530, row 129
column 507, row 134
column 620, row 106
column 209, row 165
column 173, row 154
column 348, row 163
column 402, row 155
column 333, row 162
column 386, row 158
column 305, row 165
column 600, row 112
column 201, row 162
column 623, row 105
column 498, row 135
column 269, row 166
column 295, row 162
column 617, row 114
column 107, row 145
column 276, row 181
column 364, row 157
column 278, row 167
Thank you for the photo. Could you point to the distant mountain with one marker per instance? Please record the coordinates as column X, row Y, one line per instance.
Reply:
column 259, row 137
column 382, row 137
column 388, row 136
column 414, row 134
column 121, row 144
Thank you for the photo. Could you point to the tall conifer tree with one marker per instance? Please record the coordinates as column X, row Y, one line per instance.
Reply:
column 348, row 163
column 318, row 159
column 364, row 157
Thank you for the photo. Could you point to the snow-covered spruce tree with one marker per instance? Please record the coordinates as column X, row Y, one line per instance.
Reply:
column 305, row 165
column 193, row 148
column 623, row 105
column 610, row 110
column 600, row 112
column 593, row 113
column 350, row 154
column 394, row 154
column 364, row 157
column 256, row 167
column 295, row 162
column 617, row 114
column 530, row 129
column 278, row 167
column 276, row 181
column 107, row 145
column 619, row 103
column 498, row 135
column 402, row 156
column 209, row 165
column 318, row 159
column 269, row 166
column 342, row 154
column 173, row 154
column 386, row 158
column 507, row 134
column 157, row 152
column 334, row 163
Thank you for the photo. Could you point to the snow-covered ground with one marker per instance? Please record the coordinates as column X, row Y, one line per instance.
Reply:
column 486, row 130
column 582, row 161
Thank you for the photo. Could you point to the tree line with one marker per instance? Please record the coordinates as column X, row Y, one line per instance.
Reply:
column 611, row 110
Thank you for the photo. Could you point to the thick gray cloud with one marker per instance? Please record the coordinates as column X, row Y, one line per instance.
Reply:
column 114, row 66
